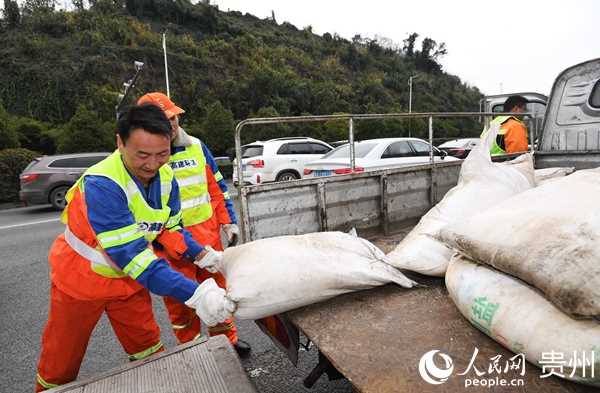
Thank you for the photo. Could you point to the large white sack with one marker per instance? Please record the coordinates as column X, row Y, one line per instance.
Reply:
column 274, row 275
column 548, row 236
column 545, row 175
column 518, row 317
column 481, row 185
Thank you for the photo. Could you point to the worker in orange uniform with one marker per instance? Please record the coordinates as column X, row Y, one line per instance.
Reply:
column 512, row 137
column 117, row 212
column 206, row 208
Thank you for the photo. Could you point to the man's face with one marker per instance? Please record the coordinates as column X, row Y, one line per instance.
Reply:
column 519, row 109
column 144, row 153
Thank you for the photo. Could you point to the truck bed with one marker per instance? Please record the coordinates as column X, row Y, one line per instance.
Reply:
column 202, row 366
column 376, row 338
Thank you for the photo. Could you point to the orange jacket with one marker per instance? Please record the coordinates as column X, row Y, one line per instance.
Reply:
column 515, row 137
column 72, row 273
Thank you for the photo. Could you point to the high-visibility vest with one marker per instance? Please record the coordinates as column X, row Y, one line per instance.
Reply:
column 149, row 222
column 189, row 168
column 496, row 149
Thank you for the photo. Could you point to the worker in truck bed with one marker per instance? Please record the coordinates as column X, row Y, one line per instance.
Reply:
column 206, row 208
column 105, row 261
column 512, row 137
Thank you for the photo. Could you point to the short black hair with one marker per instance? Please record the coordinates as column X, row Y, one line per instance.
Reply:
column 513, row 101
column 148, row 117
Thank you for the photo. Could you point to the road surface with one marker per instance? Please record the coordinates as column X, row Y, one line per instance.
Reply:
column 25, row 238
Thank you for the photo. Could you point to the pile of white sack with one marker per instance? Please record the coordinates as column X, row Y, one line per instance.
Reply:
column 270, row 276
column 548, row 237
column 527, row 273
column 482, row 184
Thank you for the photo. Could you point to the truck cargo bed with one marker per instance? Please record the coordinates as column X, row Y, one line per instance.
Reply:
column 376, row 338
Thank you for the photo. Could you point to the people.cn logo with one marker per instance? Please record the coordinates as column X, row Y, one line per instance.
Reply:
column 430, row 372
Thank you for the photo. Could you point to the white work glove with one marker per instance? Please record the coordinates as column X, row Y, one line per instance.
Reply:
column 211, row 260
column 211, row 303
column 232, row 231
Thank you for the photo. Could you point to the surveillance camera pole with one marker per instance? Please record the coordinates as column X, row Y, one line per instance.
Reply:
column 128, row 86
column 410, row 79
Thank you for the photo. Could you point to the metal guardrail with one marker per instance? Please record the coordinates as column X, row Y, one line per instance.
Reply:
column 351, row 118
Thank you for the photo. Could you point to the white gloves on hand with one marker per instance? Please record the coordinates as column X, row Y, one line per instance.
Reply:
column 232, row 231
column 211, row 303
column 211, row 260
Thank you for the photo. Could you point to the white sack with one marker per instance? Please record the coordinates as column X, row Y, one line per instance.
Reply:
column 278, row 274
column 549, row 174
column 548, row 236
column 481, row 185
column 518, row 317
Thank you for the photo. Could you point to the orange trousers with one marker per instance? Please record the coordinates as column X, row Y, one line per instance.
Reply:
column 184, row 320
column 70, row 325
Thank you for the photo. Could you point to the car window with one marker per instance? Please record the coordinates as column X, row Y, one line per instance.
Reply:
column 87, row 162
column 31, row 164
column 318, row 148
column 295, row 148
column 360, row 150
column 595, row 96
column 421, row 148
column 398, row 149
column 251, row 151
column 76, row 162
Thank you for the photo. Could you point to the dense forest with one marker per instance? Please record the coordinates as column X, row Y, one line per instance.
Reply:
column 62, row 72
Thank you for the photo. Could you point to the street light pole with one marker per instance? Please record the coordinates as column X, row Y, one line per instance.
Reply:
column 410, row 79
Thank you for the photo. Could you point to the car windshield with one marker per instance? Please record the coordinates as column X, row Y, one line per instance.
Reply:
column 360, row 150
column 251, row 151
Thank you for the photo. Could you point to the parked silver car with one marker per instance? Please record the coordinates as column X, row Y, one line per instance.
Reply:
column 47, row 179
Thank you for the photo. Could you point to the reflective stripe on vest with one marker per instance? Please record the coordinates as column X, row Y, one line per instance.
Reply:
column 101, row 263
column 149, row 221
column 189, row 167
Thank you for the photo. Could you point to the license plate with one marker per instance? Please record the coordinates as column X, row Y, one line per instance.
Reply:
column 323, row 173
column 243, row 167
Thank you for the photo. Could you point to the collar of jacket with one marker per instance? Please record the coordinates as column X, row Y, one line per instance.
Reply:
column 182, row 139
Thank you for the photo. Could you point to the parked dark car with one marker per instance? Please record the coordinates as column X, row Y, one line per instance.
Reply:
column 47, row 179
column 459, row 148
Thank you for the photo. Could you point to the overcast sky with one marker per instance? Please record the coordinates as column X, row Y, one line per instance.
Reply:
column 513, row 46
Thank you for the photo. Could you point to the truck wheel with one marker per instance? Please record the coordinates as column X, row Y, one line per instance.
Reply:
column 58, row 197
column 287, row 176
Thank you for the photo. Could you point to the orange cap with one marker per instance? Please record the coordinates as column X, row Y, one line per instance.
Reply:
column 163, row 102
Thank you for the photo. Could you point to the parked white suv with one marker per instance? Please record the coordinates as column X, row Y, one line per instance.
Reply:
column 280, row 159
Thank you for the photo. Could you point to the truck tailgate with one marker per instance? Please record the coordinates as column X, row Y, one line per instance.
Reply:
column 207, row 366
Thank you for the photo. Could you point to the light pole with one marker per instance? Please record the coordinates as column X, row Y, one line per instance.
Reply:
column 410, row 79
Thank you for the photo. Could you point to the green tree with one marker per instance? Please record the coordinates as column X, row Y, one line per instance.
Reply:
column 8, row 136
column 11, row 13
column 12, row 163
column 218, row 128
column 33, row 135
column 409, row 44
column 85, row 132
column 265, row 132
column 31, row 7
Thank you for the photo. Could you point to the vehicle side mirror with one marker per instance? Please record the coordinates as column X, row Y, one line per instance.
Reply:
column 441, row 153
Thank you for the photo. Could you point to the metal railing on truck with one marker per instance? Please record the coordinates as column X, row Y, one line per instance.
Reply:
column 381, row 199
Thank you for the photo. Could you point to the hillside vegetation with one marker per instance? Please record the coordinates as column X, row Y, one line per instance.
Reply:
column 63, row 70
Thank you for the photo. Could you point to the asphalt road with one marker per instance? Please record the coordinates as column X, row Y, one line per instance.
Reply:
column 25, row 238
